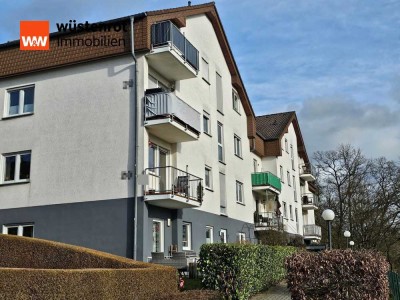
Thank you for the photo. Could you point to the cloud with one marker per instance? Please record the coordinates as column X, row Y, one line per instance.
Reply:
column 327, row 122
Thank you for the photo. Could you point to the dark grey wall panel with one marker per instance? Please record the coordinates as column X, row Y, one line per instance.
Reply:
column 102, row 225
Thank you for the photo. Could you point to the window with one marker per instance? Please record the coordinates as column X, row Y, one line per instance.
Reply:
column 154, row 83
column 255, row 165
column 206, row 123
column 239, row 192
column 186, row 236
column 288, row 178
column 220, row 99
column 281, row 173
column 241, row 237
column 284, row 210
column 209, row 234
column 17, row 167
column 286, row 146
column 235, row 101
column 208, row 177
column 291, row 212
column 152, row 156
column 296, row 219
column 205, row 70
column 237, row 145
column 19, row 101
column 20, row 230
column 223, row 236
column 222, row 192
column 220, row 142
column 158, row 236
column 294, row 188
column 292, row 156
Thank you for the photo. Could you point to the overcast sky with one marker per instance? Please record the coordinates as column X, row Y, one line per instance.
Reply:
column 335, row 62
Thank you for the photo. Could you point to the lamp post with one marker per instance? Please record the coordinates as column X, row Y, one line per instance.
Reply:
column 351, row 244
column 347, row 234
column 328, row 215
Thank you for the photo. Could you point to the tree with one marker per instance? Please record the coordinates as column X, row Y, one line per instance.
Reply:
column 365, row 196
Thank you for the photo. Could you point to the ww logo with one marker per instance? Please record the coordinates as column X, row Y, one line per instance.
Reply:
column 34, row 35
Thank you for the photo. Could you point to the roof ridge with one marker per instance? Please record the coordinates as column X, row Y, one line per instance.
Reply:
column 274, row 114
column 166, row 10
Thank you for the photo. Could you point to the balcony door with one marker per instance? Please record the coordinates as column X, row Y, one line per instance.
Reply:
column 163, row 161
column 158, row 236
column 158, row 171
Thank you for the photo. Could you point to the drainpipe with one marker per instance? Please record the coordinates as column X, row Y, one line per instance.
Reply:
column 136, row 138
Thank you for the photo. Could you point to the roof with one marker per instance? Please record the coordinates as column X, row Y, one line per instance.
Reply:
column 271, row 127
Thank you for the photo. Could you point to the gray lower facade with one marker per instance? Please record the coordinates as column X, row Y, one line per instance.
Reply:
column 108, row 225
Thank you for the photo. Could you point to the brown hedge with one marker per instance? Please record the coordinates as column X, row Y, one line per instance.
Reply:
column 337, row 274
column 39, row 269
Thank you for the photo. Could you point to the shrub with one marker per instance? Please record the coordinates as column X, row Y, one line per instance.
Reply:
column 337, row 274
column 239, row 270
column 38, row 269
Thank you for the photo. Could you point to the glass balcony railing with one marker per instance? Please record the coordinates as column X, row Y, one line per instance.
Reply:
column 166, row 32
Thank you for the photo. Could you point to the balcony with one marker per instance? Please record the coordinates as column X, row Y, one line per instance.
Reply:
column 266, row 181
column 172, row 55
column 172, row 188
column 309, row 201
column 312, row 232
column 170, row 118
column 267, row 221
column 307, row 172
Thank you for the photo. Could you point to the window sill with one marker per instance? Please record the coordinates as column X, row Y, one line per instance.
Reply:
column 223, row 215
column 209, row 189
column 237, row 202
column 206, row 81
column 206, row 133
column 238, row 112
column 239, row 156
column 220, row 112
column 17, row 116
column 221, row 162
column 14, row 182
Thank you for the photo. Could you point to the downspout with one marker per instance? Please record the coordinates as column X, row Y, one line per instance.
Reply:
column 136, row 138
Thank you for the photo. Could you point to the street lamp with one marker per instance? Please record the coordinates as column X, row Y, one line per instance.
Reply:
column 328, row 215
column 351, row 244
column 347, row 234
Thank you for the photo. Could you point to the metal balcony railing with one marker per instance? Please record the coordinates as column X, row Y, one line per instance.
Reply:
column 312, row 230
column 266, row 179
column 165, row 33
column 307, row 169
column 170, row 180
column 166, row 104
column 268, row 219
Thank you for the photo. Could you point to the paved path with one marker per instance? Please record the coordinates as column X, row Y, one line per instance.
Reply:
column 278, row 292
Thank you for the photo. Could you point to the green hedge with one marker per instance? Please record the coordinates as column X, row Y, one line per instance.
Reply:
column 38, row 269
column 240, row 270
column 338, row 274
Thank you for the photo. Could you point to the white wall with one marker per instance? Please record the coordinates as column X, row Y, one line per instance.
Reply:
column 79, row 134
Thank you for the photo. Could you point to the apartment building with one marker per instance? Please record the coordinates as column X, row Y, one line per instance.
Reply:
column 142, row 145
column 290, row 177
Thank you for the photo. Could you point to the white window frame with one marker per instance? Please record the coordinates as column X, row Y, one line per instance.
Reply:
column 292, row 156
column 220, row 134
column 291, row 212
column 235, row 101
column 219, row 92
column 239, row 192
column 223, row 233
column 20, row 228
column 241, row 237
column 188, row 246
column 158, row 83
column 237, row 144
column 205, row 70
column 294, row 188
column 284, row 209
column 17, row 170
column 206, row 120
column 21, row 103
column 288, row 178
column 210, row 177
column 286, row 146
column 281, row 173
column 210, row 229
column 161, row 222
column 255, row 165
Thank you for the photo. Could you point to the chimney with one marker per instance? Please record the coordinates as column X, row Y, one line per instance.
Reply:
column 189, row 3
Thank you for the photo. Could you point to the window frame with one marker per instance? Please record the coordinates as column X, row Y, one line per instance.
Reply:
column 210, row 177
column 220, row 140
column 235, row 101
column 281, row 174
column 206, row 120
column 219, row 93
column 237, row 145
column 225, row 231
column 255, row 165
column 211, row 230
column 294, row 188
column 17, row 167
column 286, row 146
column 189, row 236
column 239, row 192
column 291, row 212
column 241, row 237
column 21, row 101
column 292, row 157
column 204, row 62
column 20, row 228
column 288, row 178
column 284, row 209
